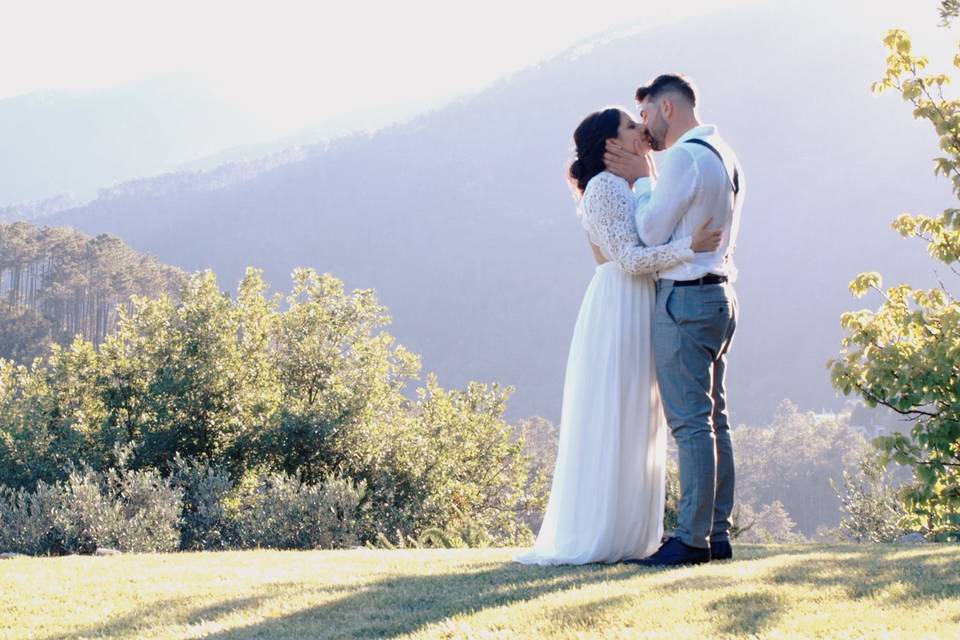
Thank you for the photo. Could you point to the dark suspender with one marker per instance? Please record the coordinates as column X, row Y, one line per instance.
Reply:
column 736, row 173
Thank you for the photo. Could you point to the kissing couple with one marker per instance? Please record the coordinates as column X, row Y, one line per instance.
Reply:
column 651, row 339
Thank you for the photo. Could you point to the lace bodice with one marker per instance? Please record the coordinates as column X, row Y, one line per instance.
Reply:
column 606, row 212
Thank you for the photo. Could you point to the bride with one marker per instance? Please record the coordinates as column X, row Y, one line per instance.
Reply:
column 607, row 499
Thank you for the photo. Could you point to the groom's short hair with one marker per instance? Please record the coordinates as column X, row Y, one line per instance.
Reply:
column 668, row 82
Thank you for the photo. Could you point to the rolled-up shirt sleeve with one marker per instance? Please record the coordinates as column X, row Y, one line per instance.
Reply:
column 659, row 209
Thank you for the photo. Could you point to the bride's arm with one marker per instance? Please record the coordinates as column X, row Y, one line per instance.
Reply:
column 598, row 254
column 608, row 211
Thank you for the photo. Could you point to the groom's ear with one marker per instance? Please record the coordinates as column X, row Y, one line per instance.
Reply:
column 666, row 106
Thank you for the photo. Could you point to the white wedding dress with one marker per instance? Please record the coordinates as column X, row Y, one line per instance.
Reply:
column 607, row 498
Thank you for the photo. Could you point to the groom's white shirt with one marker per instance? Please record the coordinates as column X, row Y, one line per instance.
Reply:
column 692, row 186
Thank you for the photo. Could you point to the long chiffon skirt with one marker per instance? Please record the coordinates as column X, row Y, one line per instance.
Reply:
column 607, row 497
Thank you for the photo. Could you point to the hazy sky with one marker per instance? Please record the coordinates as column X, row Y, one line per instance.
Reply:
column 301, row 63
column 306, row 60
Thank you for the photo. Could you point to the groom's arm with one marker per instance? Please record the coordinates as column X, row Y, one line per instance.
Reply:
column 658, row 210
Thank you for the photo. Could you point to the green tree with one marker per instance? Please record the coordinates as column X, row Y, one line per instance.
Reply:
column 444, row 460
column 468, row 465
column 342, row 379
column 906, row 354
column 52, row 416
column 242, row 390
column 192, row 378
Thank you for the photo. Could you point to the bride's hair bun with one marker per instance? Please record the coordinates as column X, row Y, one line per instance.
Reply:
column 590, row 139
column 576, row 170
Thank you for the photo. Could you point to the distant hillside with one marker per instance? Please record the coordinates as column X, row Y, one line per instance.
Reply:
column 37, row 209
column 76, row 142
column 61, row 146
column 463, row 223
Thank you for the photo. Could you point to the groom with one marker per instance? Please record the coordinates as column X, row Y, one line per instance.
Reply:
column 696, row 312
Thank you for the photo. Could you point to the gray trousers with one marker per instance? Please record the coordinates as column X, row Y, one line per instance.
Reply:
column 693, row 328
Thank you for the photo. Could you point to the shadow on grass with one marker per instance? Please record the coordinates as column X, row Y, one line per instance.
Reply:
column 586, row 616
column 185, row 610
column 865, row 573
column 163, row 612
column 396, row 605
column 746, row 613
column 695, row 583
column 393, row 605
column 401, row 605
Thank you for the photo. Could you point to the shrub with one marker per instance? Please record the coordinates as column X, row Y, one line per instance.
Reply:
column 204, row 521
column 122, row 509
column 86, row 517
column 283, row 512
column 871, row 507
column 456, row 462
column 27, row 520
column 149, row 510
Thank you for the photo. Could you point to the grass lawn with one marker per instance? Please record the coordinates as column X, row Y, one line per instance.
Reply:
column 768, row 592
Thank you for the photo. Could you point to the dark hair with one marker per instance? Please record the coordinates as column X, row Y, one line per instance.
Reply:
column 591, row 141
column 669, row 82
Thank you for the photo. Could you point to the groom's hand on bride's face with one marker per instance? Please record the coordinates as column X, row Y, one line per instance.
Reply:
column 626, row 163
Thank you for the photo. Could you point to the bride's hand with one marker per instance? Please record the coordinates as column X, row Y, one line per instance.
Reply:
column 706, row 240
column 625, row 162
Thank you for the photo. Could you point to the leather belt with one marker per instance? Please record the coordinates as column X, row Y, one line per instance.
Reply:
column 710, row 278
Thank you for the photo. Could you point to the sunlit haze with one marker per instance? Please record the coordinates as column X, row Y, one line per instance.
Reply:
column 298, row 63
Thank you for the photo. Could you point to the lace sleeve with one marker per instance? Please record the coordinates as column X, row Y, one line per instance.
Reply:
column 607, row 214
